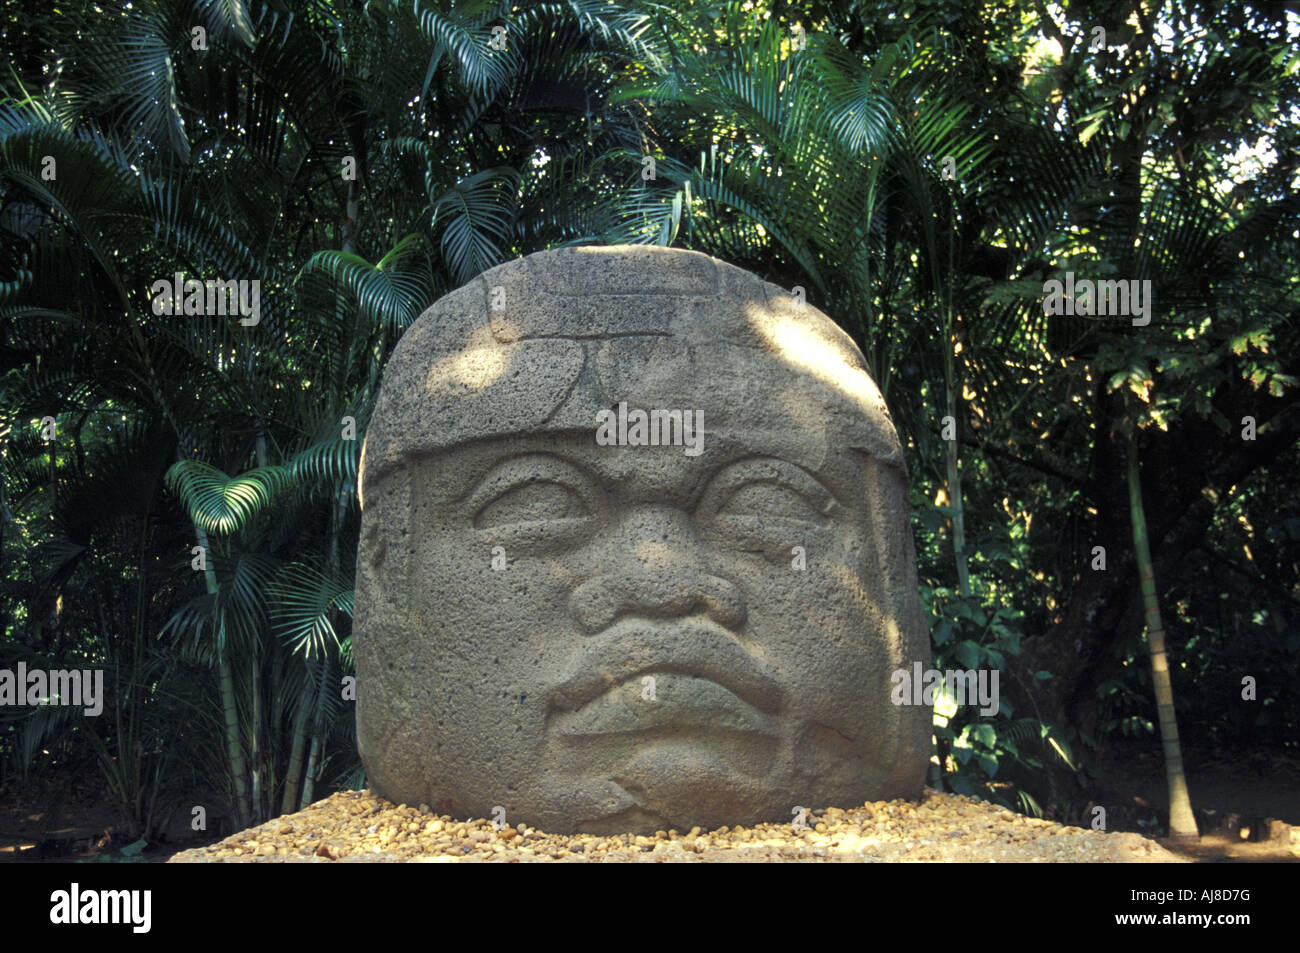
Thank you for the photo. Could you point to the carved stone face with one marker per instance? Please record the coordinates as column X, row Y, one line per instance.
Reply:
column 629, row 637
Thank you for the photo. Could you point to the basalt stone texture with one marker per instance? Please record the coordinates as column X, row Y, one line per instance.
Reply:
column 635, row 555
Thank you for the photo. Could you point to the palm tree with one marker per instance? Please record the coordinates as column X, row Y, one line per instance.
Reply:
column 281, row 134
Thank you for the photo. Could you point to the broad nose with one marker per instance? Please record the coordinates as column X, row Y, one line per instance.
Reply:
column 655, row 566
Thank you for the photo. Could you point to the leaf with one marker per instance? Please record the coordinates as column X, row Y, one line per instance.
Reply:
column 140, row 57
column 224, row 17
column 480, row 67
column 968, row 653
column 387, row 294
column 327, row 461
column 1062, row 750
column 1091, row 129
column 984, row 733
column 996, row 552
column 942, row 632
column 220, row 503
column 477, row 213
column 304, row 600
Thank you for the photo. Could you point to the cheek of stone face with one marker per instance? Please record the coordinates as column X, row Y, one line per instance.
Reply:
column 823, row 630
column 495, row 639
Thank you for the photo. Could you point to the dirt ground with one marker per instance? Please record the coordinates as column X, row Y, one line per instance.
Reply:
column 356, row 826
column 1234, row 796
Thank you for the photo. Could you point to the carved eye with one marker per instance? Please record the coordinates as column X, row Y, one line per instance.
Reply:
column 534, row 501
column 535, row 498
column 764, row 505
column 771, row 500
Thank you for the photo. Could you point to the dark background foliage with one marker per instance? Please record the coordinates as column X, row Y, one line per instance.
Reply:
column 805, row 142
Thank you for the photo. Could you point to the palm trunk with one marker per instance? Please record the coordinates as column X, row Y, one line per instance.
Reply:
column 351, row 212
column 317, row 729
column 255, row 741
column 289, row 803
column 234, row 744
column 336, row 525
column 1182, row 824
column 952, row 449
column 955, row 501
column 255, row 747
column 309, row 779
column 952, row 386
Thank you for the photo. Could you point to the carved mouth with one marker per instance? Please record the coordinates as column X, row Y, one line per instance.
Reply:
column 680, row 701
column 703, row 677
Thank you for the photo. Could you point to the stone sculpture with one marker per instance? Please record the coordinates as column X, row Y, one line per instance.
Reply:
column 635, row 554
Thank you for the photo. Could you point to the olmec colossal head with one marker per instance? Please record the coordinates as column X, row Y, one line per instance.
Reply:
column 635, row 554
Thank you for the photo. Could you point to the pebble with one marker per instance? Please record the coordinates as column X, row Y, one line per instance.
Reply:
column 940, row 827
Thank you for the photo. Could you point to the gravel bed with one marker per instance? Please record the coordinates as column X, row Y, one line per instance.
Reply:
column 358, row 827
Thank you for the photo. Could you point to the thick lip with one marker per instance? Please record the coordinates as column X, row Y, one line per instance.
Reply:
column 695, row 646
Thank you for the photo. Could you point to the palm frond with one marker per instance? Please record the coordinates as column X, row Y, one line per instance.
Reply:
column 387, row 295
column 476, row 215
column 223, row 504
column 304, row 602
column 327, row 461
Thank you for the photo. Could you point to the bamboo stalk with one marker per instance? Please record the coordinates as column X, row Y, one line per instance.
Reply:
column 1182, row 823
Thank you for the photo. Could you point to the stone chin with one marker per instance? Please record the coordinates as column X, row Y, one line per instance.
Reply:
column 673, row 781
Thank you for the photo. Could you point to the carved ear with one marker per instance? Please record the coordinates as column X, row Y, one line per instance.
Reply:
column 895, row 551
column 383, row 556
column 375, row 547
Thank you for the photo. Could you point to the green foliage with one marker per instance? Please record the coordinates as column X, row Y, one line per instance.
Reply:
column 971, row 746
column 1168, row 157
column 222, row 504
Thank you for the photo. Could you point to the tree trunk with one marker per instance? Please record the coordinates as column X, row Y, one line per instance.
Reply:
column 955, row 501
column 289, row 803
column 351, row 212
column 1182, row 824
column 255, row 739
column 317, row 728
column 255, row 746
column 234, row 744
